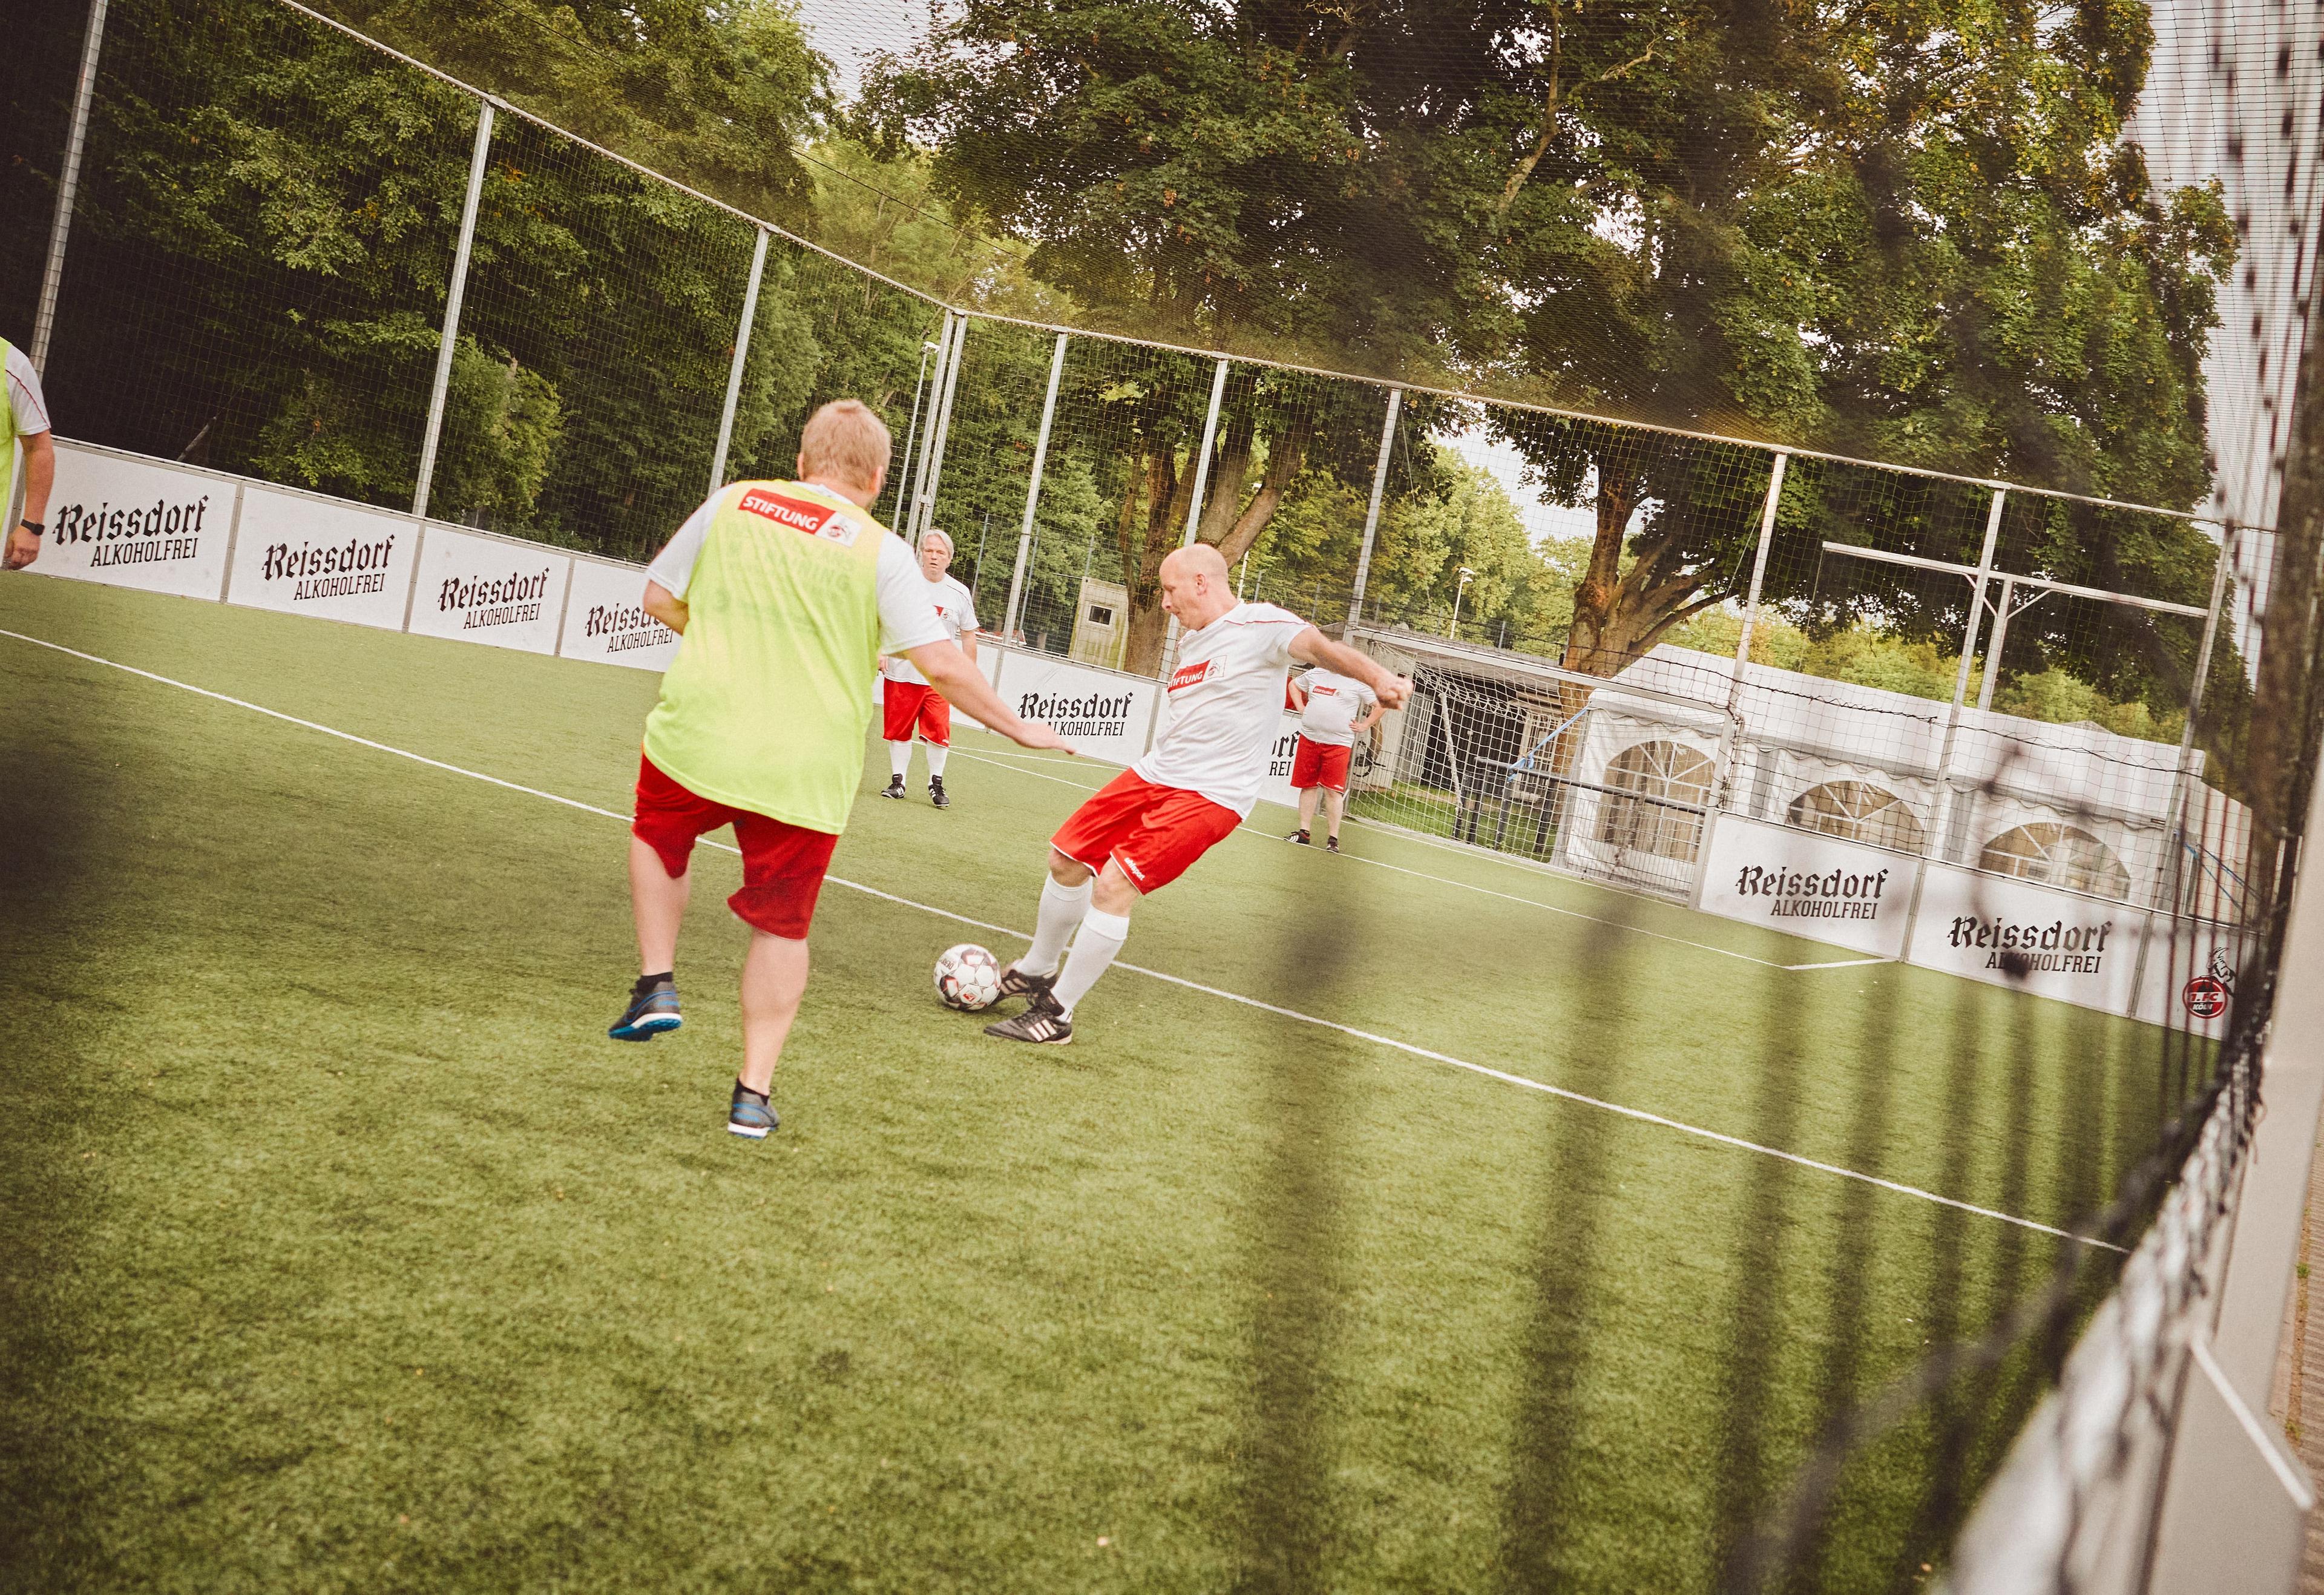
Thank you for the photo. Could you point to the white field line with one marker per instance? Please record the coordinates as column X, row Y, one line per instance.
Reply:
column 1441, row 879
column 1842, row 964
column 1638, row 1114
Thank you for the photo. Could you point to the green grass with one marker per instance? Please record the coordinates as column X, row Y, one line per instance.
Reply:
column 340, row 1250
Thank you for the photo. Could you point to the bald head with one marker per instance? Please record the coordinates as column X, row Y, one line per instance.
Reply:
column 1194, row 585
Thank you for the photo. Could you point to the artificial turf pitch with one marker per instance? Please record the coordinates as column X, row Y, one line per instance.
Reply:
column 340, row 1250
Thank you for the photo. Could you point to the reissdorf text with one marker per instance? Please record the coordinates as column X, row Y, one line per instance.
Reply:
column 1093, row 716
column 161, row 530
column 2030, row 949
column 332, row 571
column 503, row 600
column 1835, row 894
column 624, row 627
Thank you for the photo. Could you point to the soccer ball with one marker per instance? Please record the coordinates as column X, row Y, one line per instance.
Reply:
column 968, row 978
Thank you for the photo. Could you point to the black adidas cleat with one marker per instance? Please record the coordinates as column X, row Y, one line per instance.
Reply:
column 937, row 792
column 1299, row 835
column 894, row 789
column 652, row 1010
column 1331, row 844
column 1016, row 982
column 1044, row 1023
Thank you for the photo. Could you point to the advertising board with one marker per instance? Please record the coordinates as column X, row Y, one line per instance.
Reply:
column 2028, row 936
column 301, row 555
column 605, row 620
column 488, row 589
column 1101, row 713
column 138, row 523
column 1806, row 884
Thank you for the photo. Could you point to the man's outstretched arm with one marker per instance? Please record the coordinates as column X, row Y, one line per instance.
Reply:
column 1315, row 649
column 964, row 687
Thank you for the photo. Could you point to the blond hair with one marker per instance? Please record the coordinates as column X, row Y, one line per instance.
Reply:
column 845, row 439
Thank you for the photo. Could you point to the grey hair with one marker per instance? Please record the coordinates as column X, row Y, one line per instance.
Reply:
column 935, row 531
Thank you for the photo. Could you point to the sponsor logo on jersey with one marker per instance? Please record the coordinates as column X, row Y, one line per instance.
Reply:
column 1190, row 675
column 801, row 515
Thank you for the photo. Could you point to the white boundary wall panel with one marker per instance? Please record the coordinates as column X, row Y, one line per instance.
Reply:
column 1804, row 884
column 606, row 618
column 2184, row 959
column 132, row 522
column 302, row 555
column 487, row 589
column 1101, row 713
column 1279, row 788
column 2081, row 949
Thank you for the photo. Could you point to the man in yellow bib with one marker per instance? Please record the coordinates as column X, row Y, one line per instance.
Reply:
column 785, row 594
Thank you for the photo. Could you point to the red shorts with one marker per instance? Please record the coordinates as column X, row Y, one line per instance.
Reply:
column 782, row 863
column 908, row 703
column 1319, row 764
column 1155, row 831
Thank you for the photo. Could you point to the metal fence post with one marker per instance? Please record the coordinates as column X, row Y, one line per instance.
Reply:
column 904, row 470
column 742, row 353
column 1758, row 571
column 1373, row 511
column 1202, row 463
column 908, row 520
column 453, row 295
column 52, row 275
column 1010, row 611
column 1941, row 811
column 939, row 433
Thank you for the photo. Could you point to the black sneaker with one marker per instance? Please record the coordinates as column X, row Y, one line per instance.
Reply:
column 751, row 1115
column 1016, row 982
column 1299, row 835
column 1044, row 1023
column 652, row 1010
column 937, row 792
column 894, row 789
column 1331, row 844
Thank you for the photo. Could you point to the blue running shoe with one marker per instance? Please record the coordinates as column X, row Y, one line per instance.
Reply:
column 652, row 1010
column 752, row 1114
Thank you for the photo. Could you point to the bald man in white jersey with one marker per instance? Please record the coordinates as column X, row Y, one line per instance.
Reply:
column 1196, row 785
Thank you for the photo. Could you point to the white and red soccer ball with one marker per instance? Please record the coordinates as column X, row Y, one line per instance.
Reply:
column 968, row 978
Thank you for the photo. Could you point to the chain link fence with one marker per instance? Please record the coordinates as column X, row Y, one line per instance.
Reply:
column 1844, row 698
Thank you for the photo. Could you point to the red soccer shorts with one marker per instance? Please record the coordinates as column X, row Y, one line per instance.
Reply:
column 1154, row 832
column 1319, row 764
column 909, row 703
column 782, row 863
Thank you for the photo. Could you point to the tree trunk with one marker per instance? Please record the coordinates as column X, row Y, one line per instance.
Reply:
column 1286, row 455
column 1168, row 493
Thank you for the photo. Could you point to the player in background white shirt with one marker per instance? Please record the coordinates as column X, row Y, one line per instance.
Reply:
column 1198, row 782
column 24, row 419
column 1334, row 710
column 908, row 702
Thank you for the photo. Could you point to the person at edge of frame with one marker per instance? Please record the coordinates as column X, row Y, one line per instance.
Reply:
column 24, row 411
column 783, row 593
column 1334, row 710
column 907, row 703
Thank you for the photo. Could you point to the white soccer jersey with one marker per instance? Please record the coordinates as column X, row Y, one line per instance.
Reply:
column 1335, row 703
column 956, row 607
column 30, row 407
column 1225, row 702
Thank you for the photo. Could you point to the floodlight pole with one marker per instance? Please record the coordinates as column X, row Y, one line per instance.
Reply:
column 1941, row 811
column 453, row 295
column 1201, row 483
column 1009, row 611
column 52, row 275
column 1373, row 511
column 940, row 432
column 741, row 354
column 1758, row 572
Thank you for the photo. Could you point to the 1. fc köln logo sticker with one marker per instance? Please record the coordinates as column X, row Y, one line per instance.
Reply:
column 2206, row 997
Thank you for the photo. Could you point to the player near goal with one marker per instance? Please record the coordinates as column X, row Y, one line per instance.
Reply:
column 784, row 593
column 1196, row 784
column 1334, row 710
column 908, row 703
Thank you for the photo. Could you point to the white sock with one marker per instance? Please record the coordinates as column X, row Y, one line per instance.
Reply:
column 900, row 759
column 1101, row 938
column 1062, row 907
column 936, row 751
